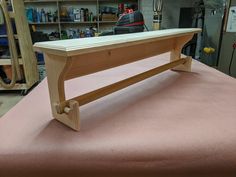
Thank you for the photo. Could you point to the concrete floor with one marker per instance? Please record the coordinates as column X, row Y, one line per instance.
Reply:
column 8, row 100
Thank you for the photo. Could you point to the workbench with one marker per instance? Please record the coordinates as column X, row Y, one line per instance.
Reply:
column 173, row 124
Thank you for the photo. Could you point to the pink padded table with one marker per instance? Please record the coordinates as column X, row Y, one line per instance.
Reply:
column 173, row 124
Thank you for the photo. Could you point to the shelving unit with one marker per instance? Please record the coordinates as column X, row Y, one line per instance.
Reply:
column 60, row 25
column 27, row 59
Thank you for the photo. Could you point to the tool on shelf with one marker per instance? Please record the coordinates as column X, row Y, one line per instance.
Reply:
column 157, row 17
column 16, row 74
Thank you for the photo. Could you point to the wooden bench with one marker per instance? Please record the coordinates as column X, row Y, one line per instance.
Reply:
column 68, row 59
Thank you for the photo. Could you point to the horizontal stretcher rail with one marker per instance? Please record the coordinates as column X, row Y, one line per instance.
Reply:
column 94, row 95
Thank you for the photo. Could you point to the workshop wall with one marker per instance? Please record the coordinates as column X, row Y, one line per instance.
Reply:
column 171, row 11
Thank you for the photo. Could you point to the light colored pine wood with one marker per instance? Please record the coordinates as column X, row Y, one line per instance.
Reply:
column 73, row 47
column 8, row 61
column 56, row 68
column 12, row 15
column 73, row 58
column 16, row 73
column 105, row 59
column 25, row 43
column 176, row 53
column 28, row 59
column 17, row 87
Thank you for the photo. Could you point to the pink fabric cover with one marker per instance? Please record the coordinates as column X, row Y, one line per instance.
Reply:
column 173, row 124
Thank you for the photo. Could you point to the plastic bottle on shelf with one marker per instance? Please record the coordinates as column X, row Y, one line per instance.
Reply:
column 70, row 33
column 46, row 17
column 82, row 14
column 82, row 34
column 71, row 14
column 43, row 16
column 91, row 16
column 88, row 33
column 49, row 15
column 86, row 15
column 77, row 15
column 78, row 33
column 38, row 16
column 55, row 16
column 29, row 15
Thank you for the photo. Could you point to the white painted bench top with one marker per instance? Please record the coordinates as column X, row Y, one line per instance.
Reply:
column 73, row 47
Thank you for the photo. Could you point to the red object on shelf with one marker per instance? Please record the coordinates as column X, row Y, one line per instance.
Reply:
column 234, row 45
column 128, row 11
column 121, row 8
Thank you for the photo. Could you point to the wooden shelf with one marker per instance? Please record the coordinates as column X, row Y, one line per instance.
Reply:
column 18, row 87
column 63, row 23
column 44, row 23
column 8, row 61
column 113, row 1
column 107, row 21
column 3, row 36
column 117, row 1
column 69, row 22
column 77, row 0
column 39, row 1
column 87, row 22
column 110, row 1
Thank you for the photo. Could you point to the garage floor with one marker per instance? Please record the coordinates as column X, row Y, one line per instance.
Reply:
column 8, row 100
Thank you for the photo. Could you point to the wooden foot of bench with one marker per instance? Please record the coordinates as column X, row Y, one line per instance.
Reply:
column 176, row 54
column 70, row 115
column 57, row 67
column 187, row 66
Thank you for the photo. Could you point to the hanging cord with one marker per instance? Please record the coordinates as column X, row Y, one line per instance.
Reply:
column 157, row 17
column 231, row 60
column 16, row 74
column 146, row 27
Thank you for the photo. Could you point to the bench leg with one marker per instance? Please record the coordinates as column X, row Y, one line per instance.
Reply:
column 176, row 54
column 56, row 67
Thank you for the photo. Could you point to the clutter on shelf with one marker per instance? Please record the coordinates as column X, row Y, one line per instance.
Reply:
column 37, row 15
column 72, row 33
column 74, row 20
column 73, row 14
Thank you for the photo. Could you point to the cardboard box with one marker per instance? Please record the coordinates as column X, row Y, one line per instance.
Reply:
column 109, row 17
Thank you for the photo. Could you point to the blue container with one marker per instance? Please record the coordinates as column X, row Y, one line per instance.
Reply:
column 40, row 58
column 3, row 30
column 30, row 14
column 3, row 42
